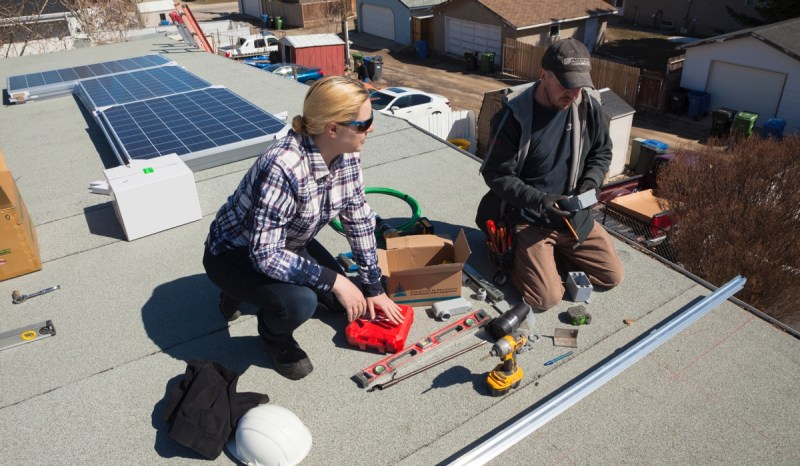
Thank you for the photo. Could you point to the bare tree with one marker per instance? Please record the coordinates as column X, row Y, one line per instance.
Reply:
column 35, row 26
column 737, row 211
column 39, row 26
column 104, row 21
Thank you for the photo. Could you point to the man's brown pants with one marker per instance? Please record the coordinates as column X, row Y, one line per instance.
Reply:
column 535, row 274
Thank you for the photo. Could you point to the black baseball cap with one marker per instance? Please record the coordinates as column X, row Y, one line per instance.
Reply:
column 571, row 62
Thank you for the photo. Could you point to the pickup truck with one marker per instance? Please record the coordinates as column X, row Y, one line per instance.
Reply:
column 631, row 208
column 250, row 46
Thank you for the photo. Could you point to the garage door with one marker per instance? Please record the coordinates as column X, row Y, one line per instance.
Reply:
column 743, row 88
column 377, row 20
column 466, row 36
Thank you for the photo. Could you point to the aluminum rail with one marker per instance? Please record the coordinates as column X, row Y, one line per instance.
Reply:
column 526, row 425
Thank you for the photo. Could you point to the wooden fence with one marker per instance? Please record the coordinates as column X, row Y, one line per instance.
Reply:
column 523, row 61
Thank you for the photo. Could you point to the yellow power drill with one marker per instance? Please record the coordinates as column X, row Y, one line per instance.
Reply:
column 509, row 342
column 507, row 374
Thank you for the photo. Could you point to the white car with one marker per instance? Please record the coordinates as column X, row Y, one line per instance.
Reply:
column 408, row 103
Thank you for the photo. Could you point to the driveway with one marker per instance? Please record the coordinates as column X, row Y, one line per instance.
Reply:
column 449, row 77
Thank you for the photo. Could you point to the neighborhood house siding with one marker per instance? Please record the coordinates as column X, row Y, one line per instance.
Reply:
column 467, row 36
column 758, row 65
column 251, row 7
column 385, row 18
column 469, row 12
column 380, row 18
column 541, row 36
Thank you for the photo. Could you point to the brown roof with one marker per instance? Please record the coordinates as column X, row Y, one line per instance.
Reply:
column 522, row 13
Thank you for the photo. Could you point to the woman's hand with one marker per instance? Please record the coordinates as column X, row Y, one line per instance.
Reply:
column 389, row 307
column 350, row 297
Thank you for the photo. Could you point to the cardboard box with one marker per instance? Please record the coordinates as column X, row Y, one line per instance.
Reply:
column 423, row 269
column 153, row 195
column 642, row 205
column 19, row 246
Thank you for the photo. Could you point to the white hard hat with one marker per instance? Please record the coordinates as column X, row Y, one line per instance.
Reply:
column 270, row 435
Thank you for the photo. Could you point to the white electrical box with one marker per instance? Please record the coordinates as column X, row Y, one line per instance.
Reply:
column 153, row 195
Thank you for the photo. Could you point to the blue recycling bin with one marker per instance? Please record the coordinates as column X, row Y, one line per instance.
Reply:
column 699, row 102
column 422, row 49
column 774, row 128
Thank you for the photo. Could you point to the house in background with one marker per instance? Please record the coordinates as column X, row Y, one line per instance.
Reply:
column 402, row 21
column 688, row 17
column 155, row 13
column 461, row 26
column 297, row 13
column 755, row 70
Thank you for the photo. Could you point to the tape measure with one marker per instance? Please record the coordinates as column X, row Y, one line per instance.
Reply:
column 26, row 334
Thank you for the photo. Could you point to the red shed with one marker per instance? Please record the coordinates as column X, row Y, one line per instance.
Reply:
column 325, row 51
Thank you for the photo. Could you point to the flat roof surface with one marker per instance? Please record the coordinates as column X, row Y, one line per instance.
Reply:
column 130, row 315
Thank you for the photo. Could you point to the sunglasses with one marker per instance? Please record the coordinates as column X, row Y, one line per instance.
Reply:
column 359, row 126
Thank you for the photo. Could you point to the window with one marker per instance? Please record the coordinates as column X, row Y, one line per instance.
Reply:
column 402, row 102
column 259, row 43
column 380, row 100
column 286, row 72
column 420, row 99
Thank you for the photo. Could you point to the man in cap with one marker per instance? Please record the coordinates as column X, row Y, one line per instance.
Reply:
column 550, row 140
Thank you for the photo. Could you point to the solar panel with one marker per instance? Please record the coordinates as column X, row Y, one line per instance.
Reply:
column 195, row 125
column 52, row 83
column 144, row 84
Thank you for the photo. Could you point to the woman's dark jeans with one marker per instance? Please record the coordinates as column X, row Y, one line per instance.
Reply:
column 282, row 306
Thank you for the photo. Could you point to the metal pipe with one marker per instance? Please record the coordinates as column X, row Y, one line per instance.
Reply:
column 509, row 436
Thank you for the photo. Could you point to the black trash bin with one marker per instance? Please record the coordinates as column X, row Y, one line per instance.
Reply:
column 369, row 68
column 679, row 101
column 377, row 67
column 721, row 122
column 471, row 58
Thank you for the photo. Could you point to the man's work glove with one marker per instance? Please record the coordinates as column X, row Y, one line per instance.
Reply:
column 587, row 185
column 549, row 203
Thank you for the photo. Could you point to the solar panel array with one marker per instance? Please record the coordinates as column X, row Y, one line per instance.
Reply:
column 137, row 85
column 186, row 123
column 148, row 107
column 65, row 78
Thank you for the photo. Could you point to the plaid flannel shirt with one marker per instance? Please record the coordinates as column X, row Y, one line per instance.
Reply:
column 284, row 200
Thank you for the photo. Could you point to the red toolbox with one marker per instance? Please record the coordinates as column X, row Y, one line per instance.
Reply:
column 381, row 334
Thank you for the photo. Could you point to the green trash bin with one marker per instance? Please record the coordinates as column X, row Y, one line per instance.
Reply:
column 278, row 23
column 743, row 124
column 486, row 62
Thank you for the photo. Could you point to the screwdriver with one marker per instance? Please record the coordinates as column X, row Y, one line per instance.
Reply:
column 558, row 358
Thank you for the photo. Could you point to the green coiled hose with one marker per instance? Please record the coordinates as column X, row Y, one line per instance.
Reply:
column 416, row 210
